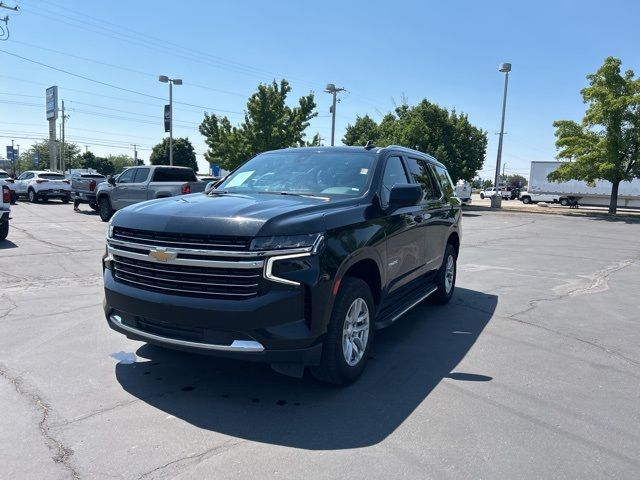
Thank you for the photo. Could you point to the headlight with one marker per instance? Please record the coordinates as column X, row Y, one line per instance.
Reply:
column 110, row 230
column 285, row 241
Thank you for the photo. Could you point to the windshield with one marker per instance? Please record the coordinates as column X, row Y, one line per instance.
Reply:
column 4, row 175
column 305, row 172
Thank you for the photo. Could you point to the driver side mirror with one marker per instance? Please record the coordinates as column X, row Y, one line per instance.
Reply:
column 111, row 181
column 404, row 195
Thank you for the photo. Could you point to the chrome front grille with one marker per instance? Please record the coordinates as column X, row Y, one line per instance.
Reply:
column 188, row 280
column 182, row 240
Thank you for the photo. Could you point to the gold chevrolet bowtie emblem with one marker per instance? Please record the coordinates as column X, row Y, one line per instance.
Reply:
column 161, row 255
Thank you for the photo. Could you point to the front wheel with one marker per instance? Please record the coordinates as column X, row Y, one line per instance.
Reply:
column 446, row 277
column 482, row 196
column 33, row 198
column 105, row 210
column 346, row 347
column 564, row 202
column 526, row 199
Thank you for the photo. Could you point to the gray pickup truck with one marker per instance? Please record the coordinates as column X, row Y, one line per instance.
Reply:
column 139, row 184
column 84, row 187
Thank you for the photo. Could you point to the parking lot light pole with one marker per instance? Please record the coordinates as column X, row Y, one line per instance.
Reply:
column 496, row 199
column 171, row 82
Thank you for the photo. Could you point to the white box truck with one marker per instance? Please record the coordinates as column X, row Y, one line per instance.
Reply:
column 577, row 191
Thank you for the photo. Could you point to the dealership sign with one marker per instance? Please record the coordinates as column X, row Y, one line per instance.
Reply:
column 52, row 103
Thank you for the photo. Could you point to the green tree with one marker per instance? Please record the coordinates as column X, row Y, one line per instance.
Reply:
column 100, row 164
column 429, row 128
column 487, row 184
column 269, row 124
column 606, row 144
column 516, row 181
column 183, row 153
column 27, row 158
column 121, row 161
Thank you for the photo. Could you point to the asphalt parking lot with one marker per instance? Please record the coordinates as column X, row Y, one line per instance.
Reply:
column 532, row 371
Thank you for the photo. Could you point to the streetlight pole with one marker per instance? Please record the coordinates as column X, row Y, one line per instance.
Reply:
column 170, row 81
column 331, row 88
column 496, row 199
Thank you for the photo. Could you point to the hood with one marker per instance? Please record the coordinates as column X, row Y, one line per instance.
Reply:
column 231, row 214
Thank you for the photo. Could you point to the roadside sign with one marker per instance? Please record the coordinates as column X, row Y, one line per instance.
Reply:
column 9, row 152
column 215, row 170
column 52, row 103
column 36, row 158
column 167, row 118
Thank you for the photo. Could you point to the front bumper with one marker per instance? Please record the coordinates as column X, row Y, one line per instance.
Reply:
column 269, row 328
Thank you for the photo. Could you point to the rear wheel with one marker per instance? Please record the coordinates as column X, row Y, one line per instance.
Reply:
column 526, row 199
column 349, row 336
column 446, row 277
column 4, row 230
column 482, row 196
column 104, row 207
column 564, row 202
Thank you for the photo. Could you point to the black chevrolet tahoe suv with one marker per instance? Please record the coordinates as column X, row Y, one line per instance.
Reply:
column 295, row 259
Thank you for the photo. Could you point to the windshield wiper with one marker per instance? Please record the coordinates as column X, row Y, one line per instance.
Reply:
column 293, row 194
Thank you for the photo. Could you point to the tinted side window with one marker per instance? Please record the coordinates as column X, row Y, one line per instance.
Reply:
column 168, row 174
column 127, row 176
column 421, row 175
column 141, row 175
column 445, row 180
column 393, row 173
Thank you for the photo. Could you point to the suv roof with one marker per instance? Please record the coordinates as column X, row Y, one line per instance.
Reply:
column 374, row 149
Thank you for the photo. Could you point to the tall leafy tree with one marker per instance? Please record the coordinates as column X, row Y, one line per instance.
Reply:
column 516, row 180
column 27, row 158
column 429, row 128
column 183, row 153
column 606, row 144
column 269, row 123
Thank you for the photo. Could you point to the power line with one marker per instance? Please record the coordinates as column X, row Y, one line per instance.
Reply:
column 110, row 85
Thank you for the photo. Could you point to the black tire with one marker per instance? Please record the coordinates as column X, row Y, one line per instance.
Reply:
column 4, row 230
column 334, row 367
column 105, row 210
column 94, row 206
column 446, row 287
column 14, row 198
column 482, row 196
column 564, row 202
column 65, row 199
column 526, row 199
column 32, row 196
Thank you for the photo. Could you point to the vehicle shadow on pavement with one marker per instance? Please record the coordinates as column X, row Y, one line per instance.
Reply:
column 5, row 245
column 250, row 401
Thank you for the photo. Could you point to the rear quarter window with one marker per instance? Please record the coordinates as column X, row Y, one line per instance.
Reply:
column 445, row 180
column 51, row 176
column 168, row 174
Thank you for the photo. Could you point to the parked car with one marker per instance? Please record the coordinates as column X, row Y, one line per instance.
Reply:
column 294, row 260
column 5, row 209
column 43, row 185
column 490, row 192
column 10, row 183
column 83, row 188
column 139, row 184
column 463, row 191
column 533, row 197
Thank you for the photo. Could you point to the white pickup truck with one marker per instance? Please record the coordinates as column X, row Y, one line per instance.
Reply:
column 533, row 197
column 5, row 208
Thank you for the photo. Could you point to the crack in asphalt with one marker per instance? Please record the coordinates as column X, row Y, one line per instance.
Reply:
column 33, row 237
column 193, row 460
column 60, row 453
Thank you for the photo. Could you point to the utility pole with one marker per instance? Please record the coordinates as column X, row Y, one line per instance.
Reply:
column 13, row 159
column 86, row 148
column 135, row 155
column 503, row 165
column 333, row 90
column 63, row 163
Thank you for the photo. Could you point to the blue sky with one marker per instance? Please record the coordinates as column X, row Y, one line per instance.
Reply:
column 447, row 52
